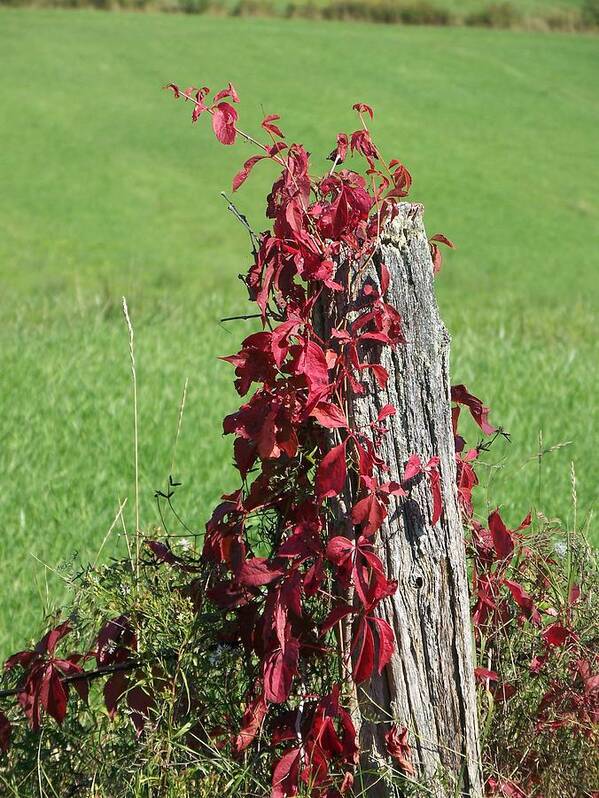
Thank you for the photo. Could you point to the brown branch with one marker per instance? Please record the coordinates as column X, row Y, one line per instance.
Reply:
column 89, row 675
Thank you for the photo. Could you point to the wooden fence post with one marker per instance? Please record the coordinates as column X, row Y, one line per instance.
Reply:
column 429, row 684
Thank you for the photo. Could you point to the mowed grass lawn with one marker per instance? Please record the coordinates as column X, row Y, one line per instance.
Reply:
column 106, row 189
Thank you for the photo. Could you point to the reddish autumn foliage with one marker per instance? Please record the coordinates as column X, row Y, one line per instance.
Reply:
column 296, row 449
column 43, row 687
column 399, row 748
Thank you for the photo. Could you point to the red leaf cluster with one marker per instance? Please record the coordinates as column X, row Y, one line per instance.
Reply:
column 43, row 688
column 399, row 749
column 296, row 448
column 510, row 588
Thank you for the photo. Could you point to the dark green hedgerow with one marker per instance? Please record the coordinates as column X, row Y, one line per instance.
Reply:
column 506, row 14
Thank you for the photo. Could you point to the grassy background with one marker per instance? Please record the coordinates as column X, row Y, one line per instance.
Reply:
column 107, row 189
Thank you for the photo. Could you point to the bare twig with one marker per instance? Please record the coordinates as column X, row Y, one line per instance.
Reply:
column 247, row 317
column 89, row 675
column 179, row 422
column 242, row 218
column 135, row 426
column 119, row 512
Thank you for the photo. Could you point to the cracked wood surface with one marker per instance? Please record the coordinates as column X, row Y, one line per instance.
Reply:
column 428, row 686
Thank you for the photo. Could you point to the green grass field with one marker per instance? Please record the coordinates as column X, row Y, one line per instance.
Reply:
column 107, row 189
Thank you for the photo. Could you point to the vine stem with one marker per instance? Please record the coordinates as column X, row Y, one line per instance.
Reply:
column 89, row 675
column 243, row 134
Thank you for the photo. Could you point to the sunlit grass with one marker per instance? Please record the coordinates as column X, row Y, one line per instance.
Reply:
column 107, row 189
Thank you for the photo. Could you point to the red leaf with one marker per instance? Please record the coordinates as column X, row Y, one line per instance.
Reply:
column 267, row 438
column 312, row 363
column 362, row 108
column 267, row 124
column 402, row 180
column 503, row 542
column 340, row 151
column 5, row 732
column 224, row 117
column 250, row 723
column 199, row 107
column 525, row 523
column 53, row 694
column 314, row 577
column 361, row 142
column 329, row 415
column 460, row 395
column 140, row 702
column 386, row 642
column 435, row 484
column 399, row 749
column 363, row 644
column 279, row 669
column 243, row 173
column 198, row 110
column 413, row 468
column 68, row 667
column 435, row 252
column 228, row 92
column 114, row 689
column 48, row 643
column 22, row 658
column 335, row 615
column 259, row 571
column 175, row 89
column 385, row 279
column 483, row 675
column 393, row 489
column 285, row 774
column 164, row 553
column 437, row 258
column 340, row 549
column 370, row 512
column 386, row 411
column 332, row 473
column 115, row 641
column 442, row 240
column 523, row 600
column 381, row 374
column 556, row 635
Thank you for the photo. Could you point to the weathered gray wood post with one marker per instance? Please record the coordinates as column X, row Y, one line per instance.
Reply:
column 429, row 685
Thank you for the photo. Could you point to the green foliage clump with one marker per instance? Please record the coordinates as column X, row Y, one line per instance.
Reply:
column 197, row 681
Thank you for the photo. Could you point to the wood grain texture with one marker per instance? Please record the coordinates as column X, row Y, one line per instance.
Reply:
column 428, row 685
